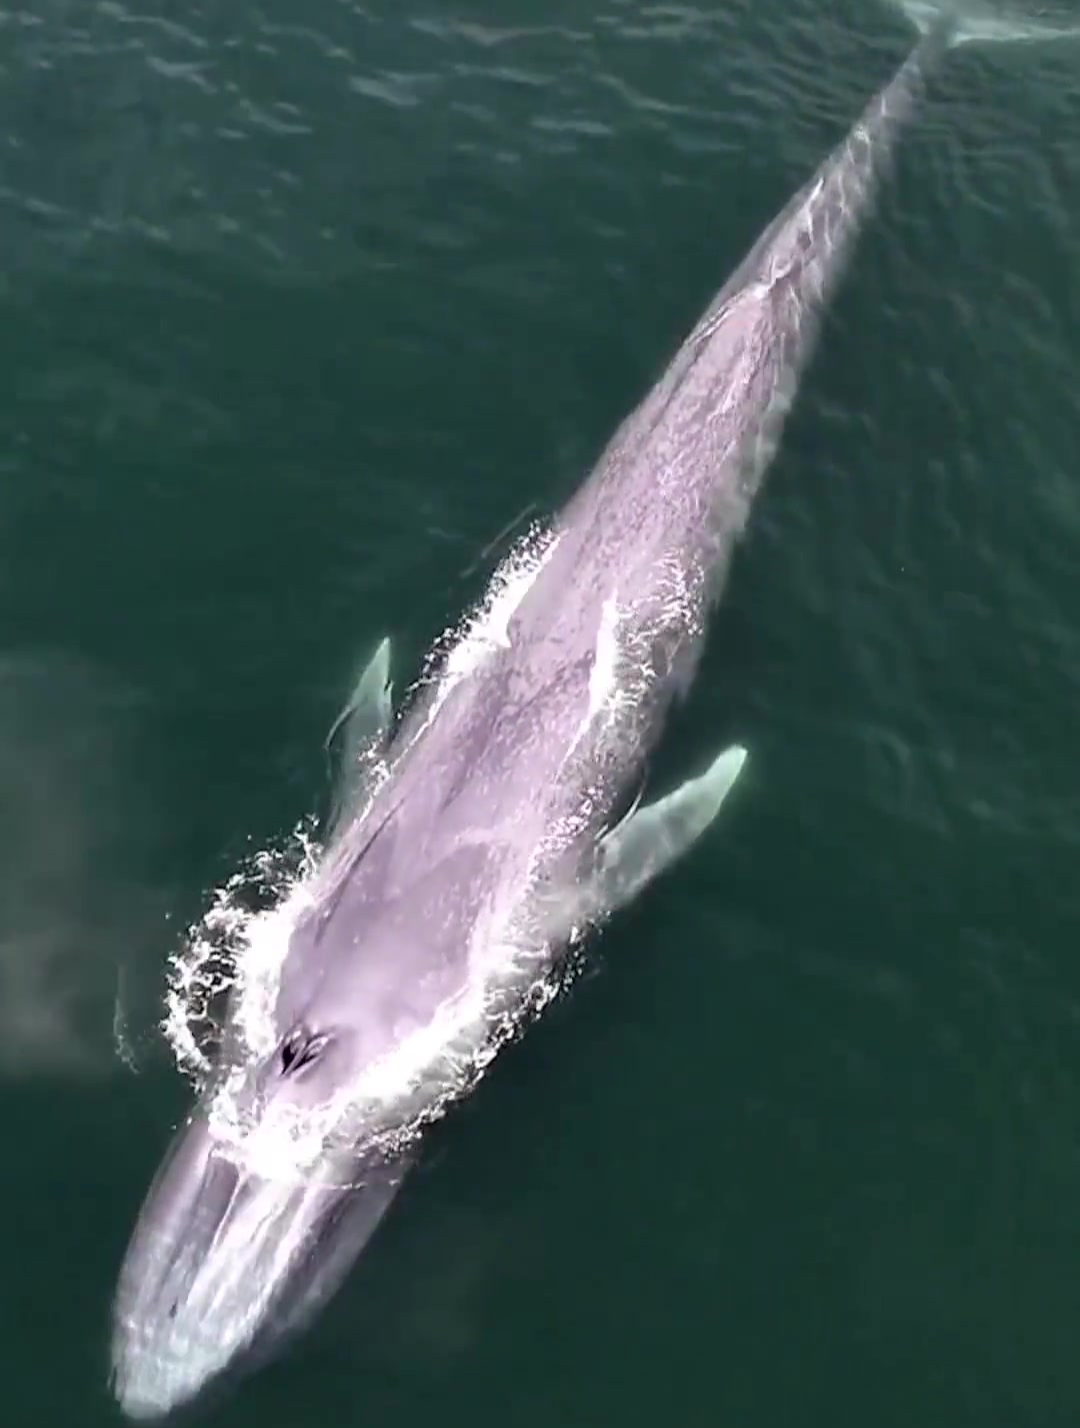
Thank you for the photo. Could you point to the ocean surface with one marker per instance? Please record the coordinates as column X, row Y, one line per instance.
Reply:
column 304, row 304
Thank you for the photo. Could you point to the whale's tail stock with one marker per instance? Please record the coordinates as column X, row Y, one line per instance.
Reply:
column 988, row 21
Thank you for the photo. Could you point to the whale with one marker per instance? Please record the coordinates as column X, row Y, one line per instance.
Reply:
column 487, row 825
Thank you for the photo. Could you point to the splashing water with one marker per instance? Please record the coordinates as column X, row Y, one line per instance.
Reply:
column 399, row 1094
column 237, row 952
column 233, row 957
column 463, row 648
column 242, row 936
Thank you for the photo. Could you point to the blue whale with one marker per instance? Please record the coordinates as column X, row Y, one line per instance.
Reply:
column 486, row 826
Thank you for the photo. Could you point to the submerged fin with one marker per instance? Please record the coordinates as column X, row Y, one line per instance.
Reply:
column 655, row 835
column 367, row 712
column 362, row 728
column 644, row 844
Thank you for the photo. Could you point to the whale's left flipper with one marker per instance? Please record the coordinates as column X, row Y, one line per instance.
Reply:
column 647, row 841
column 654, row 836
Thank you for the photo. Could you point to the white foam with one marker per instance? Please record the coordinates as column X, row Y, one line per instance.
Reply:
column 604, row 675
column 510, row 963
column 412, row 1084
column 489, row 627
column 238, row 950
column 486, row 630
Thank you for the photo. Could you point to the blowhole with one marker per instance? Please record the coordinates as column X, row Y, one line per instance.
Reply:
column 299, row 1049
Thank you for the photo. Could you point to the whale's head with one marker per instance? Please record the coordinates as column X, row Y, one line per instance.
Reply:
column 282, row 1172
column 247, row 1230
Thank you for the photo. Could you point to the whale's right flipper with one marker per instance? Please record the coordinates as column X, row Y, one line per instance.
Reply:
column 362, row 726
column 366, row 715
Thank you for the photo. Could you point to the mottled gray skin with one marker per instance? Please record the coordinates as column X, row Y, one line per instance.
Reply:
column 223, row 1260
column 655, row 525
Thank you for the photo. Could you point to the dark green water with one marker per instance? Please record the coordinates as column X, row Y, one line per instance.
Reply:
column 302, row 304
